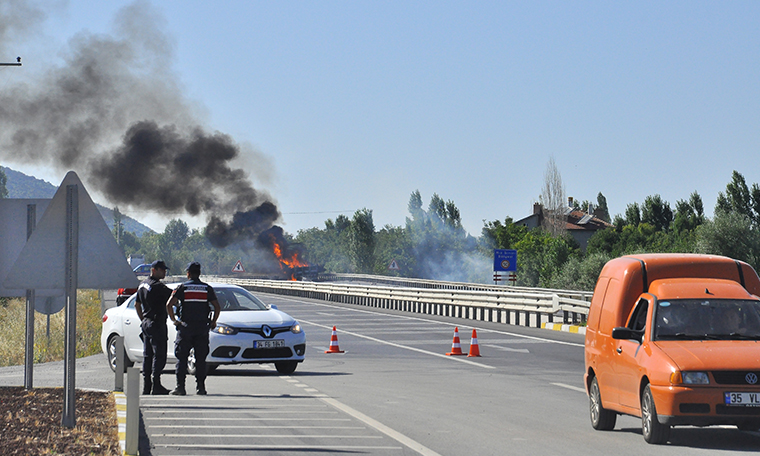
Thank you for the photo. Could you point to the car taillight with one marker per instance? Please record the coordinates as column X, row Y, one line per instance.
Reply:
column 105, row 317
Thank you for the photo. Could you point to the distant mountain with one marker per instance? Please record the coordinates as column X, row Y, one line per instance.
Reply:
column 20, row 185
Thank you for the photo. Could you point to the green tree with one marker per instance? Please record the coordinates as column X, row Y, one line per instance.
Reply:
column 3, row 184
column 632, row 214
column 689, row 214
column 175, row 233
column 603, row 210
column 657, row 213
column 361, row 242
column 740, row 198
column 393, row 244
column 731, row 234
column 118, row 225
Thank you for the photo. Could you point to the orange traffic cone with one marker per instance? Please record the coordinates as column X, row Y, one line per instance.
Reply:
column 474, row 347
column 456, row 347
column 334, row 348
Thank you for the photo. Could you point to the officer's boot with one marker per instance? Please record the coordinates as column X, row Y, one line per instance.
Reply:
column 158, row 388
column 201, row 389
column 180, row 389
column 147, row 385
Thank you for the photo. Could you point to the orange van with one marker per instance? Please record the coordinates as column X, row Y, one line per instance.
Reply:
column 674, row 339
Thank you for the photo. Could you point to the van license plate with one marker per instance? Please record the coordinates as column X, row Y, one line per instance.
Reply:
column 742, row 399
column 276, row 343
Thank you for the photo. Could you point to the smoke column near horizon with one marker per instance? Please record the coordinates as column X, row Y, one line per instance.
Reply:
column 114, row 112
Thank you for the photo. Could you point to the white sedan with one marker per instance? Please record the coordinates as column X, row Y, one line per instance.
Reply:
column 247, row 331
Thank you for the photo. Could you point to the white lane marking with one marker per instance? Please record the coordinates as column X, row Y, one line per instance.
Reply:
column 227, row 426
column 572, row 344
column 570, row 387
column 269, row 436
column 397, row 436
column 205, row 418
column 281, row 447
column 499, row 347
column 405, row 347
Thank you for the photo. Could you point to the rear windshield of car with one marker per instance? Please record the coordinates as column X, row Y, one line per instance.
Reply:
column 707, row 319
column 233, row 299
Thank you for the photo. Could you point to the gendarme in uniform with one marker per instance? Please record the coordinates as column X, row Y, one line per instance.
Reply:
column 193, row 321
column 150, row 305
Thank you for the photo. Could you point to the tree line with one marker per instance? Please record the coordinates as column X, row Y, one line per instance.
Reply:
column 433, row 244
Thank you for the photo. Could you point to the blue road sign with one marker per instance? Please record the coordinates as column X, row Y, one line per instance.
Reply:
column 504, row 260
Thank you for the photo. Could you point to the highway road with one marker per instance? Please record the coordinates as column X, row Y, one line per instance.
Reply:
column 395, row 392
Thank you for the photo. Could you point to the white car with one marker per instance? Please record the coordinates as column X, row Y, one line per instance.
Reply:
column 247, row 331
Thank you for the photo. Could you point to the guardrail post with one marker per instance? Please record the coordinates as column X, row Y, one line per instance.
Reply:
column 118, row 384
column 132, row 434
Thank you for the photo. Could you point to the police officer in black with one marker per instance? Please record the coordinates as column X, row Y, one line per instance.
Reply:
column 192, row 300
column 151, row 309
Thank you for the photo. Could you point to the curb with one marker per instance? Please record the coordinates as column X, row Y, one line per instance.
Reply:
column 121, row 415
column 566, row 328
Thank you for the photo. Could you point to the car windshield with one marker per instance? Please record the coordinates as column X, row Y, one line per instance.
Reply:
column 707, row 319
column 231, row 299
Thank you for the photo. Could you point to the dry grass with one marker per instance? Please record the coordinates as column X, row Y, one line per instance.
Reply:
column 13, row 322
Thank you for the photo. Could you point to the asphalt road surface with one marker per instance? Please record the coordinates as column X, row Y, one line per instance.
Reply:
column 395, row 392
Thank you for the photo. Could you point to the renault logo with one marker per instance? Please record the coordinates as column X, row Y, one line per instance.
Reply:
column 268, row 333
column 751, row 378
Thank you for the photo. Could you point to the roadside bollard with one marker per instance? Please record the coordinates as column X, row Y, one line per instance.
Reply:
column 119, row 378
column 132, row 433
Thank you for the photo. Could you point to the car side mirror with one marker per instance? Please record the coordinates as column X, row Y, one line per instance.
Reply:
column 272, row 306
column 627, row 334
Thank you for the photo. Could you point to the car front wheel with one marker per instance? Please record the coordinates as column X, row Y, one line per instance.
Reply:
column 601, row 418
column 653, row 431
column 286, row 367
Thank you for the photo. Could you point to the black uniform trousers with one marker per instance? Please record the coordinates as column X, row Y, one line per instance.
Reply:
column 195, row 336
column 154, row 347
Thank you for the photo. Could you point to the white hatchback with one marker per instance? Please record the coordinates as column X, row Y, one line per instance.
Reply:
column 247, row 331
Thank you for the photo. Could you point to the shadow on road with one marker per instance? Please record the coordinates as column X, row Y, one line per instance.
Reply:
column 709, row 438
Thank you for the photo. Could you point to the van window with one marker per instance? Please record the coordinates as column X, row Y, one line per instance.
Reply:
column 707, row 319
column 638, row 320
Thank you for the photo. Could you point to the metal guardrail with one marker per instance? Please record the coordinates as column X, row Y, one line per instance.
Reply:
column 508, row 305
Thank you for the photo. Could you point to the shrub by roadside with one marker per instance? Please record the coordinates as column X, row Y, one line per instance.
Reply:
column 13, row 322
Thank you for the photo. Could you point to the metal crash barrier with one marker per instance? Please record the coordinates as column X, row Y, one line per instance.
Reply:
column 508, row 305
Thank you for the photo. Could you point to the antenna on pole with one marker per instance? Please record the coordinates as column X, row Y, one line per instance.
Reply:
column 16, row 63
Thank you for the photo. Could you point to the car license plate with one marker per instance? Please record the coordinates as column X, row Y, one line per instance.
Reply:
column 276, row 343
column 742, row 399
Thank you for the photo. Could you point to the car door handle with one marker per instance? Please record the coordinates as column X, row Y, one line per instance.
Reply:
column 619, row 350
column 127, row 322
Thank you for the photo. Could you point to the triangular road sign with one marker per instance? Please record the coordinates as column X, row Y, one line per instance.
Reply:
column 238, row 267
column 40, row 264
column 393, row 266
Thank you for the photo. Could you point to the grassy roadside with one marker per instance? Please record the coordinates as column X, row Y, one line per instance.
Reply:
column 13, row 322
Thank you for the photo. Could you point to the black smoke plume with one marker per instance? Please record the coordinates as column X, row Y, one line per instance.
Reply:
column 114, row 112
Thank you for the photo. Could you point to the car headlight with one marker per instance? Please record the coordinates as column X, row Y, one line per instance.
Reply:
column 690, row 378
column 224, row 329
column 296, row 328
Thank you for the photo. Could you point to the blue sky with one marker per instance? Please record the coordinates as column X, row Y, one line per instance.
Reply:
column 357, row 104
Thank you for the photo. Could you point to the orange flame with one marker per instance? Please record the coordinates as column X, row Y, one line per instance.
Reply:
column 292, row 262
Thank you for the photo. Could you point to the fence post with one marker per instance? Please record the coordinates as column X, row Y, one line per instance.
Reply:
column 132, row 434
column 119, row 375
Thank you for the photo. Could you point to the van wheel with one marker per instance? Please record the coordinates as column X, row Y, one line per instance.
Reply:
column 601, row 418
column 654, row 432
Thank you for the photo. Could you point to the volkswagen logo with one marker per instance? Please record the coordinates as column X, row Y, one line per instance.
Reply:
column 268, row 333
column 751, row 378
